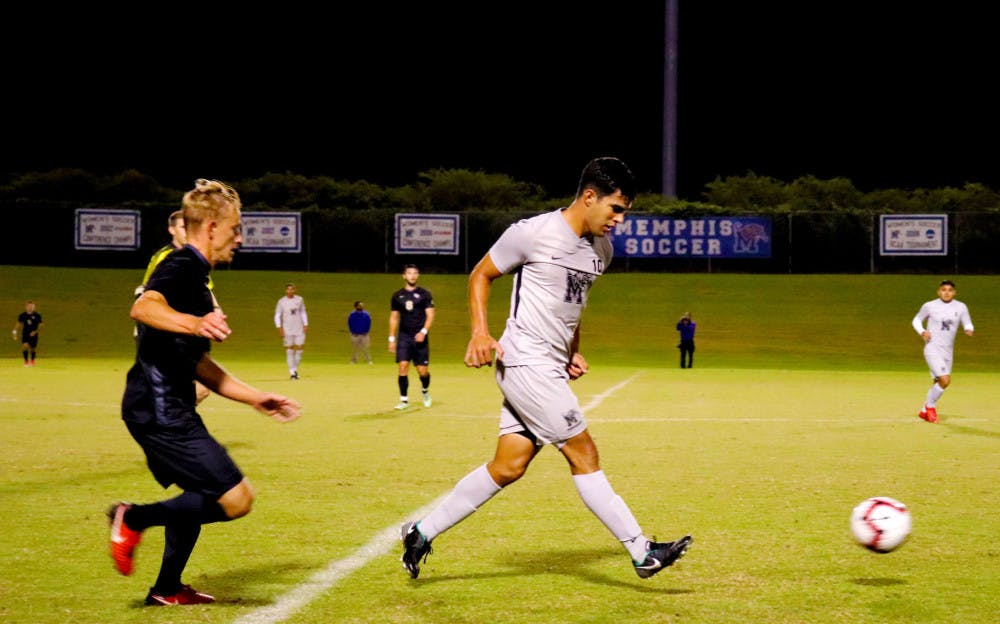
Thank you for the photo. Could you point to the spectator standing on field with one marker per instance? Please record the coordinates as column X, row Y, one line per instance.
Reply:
column 943, row 315
column 410, row 318
column 686, row 328
column 29, row 325
column 555, row 258
column 359, row 324
column 178, row 322
column 293, row 323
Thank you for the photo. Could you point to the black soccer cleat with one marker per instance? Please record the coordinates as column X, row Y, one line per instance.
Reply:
column 662, row 555
column 415, row 548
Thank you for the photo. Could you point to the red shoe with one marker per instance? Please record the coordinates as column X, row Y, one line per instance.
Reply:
column 929, row 414
column 123, row 539
column 32, row 362
column 186, row 596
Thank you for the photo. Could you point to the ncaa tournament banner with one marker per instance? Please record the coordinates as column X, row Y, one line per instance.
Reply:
column 642, row 236
column 107, row 229
column 427, row 234
column 272, row 232
column 913, row 235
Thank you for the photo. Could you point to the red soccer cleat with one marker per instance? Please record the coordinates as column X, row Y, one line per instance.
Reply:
column 123, row 539
column 186, row 596
column 929, row 414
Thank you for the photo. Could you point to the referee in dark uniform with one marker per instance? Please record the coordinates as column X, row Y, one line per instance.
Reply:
column 177, row 322
column 410, row 318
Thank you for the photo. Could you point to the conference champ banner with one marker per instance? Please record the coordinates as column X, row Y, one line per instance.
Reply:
column 642, row 236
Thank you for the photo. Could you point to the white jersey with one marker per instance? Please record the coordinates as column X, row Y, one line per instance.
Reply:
column 554, row 269
column 290, row 314
column 943, row 320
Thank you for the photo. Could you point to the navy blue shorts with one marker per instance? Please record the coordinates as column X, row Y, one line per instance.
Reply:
column 407, row 349
column 188, row 456
column 31, row 341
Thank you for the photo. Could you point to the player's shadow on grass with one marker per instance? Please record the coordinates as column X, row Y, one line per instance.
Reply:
column 567, row 563
column 878, row 582
column 389, row 414
column 243, row 586
column 967, row 430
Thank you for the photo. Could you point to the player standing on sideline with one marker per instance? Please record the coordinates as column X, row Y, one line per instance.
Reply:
column 555, row 257
column 293, row 323
column 177, row 321
column 178, row 238
column 29, row 324
column 943, row 316
column 412, row 314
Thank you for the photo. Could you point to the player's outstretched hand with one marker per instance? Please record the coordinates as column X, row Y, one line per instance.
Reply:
column 577, row 366
column 213, row 326
column 481, row 349
column 278, row 407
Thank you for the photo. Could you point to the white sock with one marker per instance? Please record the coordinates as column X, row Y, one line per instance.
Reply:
column 290, row 360
column 934, row 394
column 600, row 498
column 469, row 494
column 298, row 358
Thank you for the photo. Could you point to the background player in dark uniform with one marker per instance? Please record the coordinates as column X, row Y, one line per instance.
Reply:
column 412, row 314
column 28, row 325
column 177, row 322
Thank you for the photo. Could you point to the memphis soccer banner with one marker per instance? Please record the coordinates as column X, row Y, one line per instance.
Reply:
column 107, row 229
column 642, row 236
column 272, row 232
column 427, row 234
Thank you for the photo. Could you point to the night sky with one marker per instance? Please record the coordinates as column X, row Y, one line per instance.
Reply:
column 893, row 96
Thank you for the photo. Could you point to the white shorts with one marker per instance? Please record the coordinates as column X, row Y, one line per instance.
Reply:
column 294, row 340
column 938, row 360
column 537, row 399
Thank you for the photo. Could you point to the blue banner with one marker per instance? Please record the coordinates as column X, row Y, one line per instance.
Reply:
column 642, row 236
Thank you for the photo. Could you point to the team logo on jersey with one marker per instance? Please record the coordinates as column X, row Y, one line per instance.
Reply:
column 576, row 286
column 571, row 417
column 946, row 324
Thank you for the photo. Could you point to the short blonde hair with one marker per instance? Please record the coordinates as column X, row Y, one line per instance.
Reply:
column 209, row 199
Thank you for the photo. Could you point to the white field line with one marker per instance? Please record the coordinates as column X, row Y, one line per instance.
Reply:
column 304, row 593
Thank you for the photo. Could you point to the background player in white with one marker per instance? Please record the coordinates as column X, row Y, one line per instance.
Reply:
column 555, row 258
column 943, row 316
column 292, row 322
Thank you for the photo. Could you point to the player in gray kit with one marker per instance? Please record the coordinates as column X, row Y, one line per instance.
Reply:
column 943, row 316
column 555, row 257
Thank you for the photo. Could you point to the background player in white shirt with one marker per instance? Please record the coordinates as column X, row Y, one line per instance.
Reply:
column 555, row 258
column 292, row 322
column 943, row 316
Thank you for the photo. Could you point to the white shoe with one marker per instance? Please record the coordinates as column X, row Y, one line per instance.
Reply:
column 403, row 405
column 427, row 399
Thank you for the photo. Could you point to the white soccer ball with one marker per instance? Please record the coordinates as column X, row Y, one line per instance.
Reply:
column 880, row 523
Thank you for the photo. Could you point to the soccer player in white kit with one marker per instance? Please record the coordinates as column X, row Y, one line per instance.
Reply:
column 943, row 316
column 292, row 322
column 555, row 257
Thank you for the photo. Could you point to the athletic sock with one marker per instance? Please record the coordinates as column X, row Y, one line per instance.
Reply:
column 469, row 494
column 600, row 498
column 404, row 386
column 298, row 358
column 425, row 382
column 934, row 394
column 188, row 507
column 290, row 360
column 179, row 540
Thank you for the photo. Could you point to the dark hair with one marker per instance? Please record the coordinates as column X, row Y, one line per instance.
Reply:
column 946, row 282
column 607, row 175
column 410, row 266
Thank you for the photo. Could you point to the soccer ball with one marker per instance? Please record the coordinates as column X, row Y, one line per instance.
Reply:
column 880, row 524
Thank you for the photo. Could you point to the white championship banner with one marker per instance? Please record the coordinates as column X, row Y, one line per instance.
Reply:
column 272, row 232
column 427, row 234
column 107, row 229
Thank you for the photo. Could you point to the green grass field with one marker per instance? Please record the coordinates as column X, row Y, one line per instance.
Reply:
column 802, row 403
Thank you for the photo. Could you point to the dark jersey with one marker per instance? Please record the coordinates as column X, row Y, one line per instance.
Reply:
column 412, row 307
column 159, row 386
column 29, row 323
